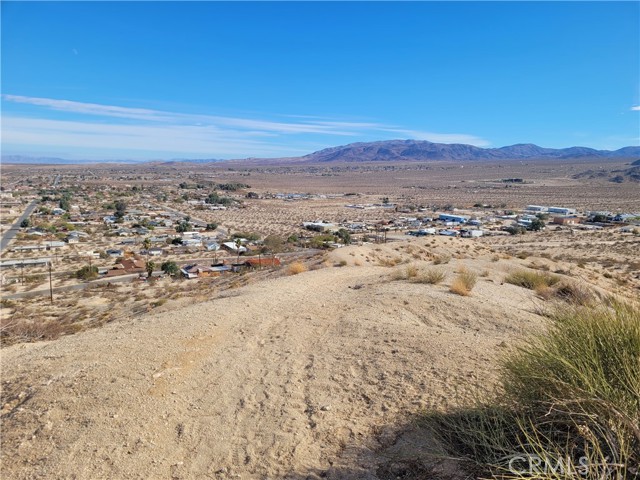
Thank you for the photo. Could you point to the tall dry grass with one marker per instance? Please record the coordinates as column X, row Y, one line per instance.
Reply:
column 568, row 405
column 296, row 267
column 531, row 279
column 463, row 283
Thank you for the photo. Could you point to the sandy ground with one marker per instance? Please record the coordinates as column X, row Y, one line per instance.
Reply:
column 307, row 376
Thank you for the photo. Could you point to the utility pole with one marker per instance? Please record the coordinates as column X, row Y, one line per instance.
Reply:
column 50, row 284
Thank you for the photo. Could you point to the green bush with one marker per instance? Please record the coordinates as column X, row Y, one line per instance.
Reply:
column 531, row 279
column 87, row 273
column 431, row 276
column 569, row 396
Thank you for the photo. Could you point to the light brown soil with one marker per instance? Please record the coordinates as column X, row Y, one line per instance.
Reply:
column 305, row 376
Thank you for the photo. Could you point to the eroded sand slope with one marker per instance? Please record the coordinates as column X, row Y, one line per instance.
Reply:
column 303, row 376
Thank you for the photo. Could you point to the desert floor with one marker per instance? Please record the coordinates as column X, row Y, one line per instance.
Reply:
column 319, row 374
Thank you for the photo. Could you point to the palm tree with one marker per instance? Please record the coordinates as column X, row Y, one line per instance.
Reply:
column 147, row 245
column 238, row 245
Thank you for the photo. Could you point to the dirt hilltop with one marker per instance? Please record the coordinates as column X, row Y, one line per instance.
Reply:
column 306, row 376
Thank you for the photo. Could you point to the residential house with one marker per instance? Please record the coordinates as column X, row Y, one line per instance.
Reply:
column 233, row 248
column 566, row 220
column 199, row 271
column 25, row 262
column 562, row 210
column 318, row 226
column 192, row 242
column 445, row 217
column 266, row 261
column 212, row 246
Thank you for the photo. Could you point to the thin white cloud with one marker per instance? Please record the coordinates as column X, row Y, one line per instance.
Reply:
column 150, row 115
column 636, row 108
column 208, row 141
column 145, row 129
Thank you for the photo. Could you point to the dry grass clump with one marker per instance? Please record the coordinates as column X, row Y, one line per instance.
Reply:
column 531, row 280
column 296, row 268
column 406, row 273
column 412, row 271
column 389, row 262
column 431, row 276
column 463, row 283
column 441, row 259
column 568, row 291
column 416, row 275
column 36, row 329
column 567, row 406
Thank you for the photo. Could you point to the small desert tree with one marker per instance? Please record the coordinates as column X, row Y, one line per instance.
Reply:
column 121, row 208
column 150, row 268
column 344, row 235
column 170, row 268
column 536, row 225
column 87, row 273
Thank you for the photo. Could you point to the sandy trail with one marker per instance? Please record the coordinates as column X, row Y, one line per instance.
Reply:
column 306, row 376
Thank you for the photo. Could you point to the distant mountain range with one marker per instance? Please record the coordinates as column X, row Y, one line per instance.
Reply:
column 26, row 160
column 630, row 174
column 394, row 150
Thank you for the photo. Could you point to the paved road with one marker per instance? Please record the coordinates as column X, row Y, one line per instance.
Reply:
column 68, row 288
column 15, row 228
column 133, row 276
column 198, row 222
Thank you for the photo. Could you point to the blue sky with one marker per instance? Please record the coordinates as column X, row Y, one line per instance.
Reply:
column 150, row 80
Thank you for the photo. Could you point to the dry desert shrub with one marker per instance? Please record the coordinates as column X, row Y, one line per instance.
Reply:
column 32, row 330
column 296, row 268
column 410, row 271
column 159, row 303
column 574, row 293
column 441, row 259
column 431, row 276
column 464, row 283
column 532, row 280
column 389, row 262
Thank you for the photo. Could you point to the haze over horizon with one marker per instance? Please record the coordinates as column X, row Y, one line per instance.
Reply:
column 163, row 80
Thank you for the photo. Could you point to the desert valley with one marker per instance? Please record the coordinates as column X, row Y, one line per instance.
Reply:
column 289, row 319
